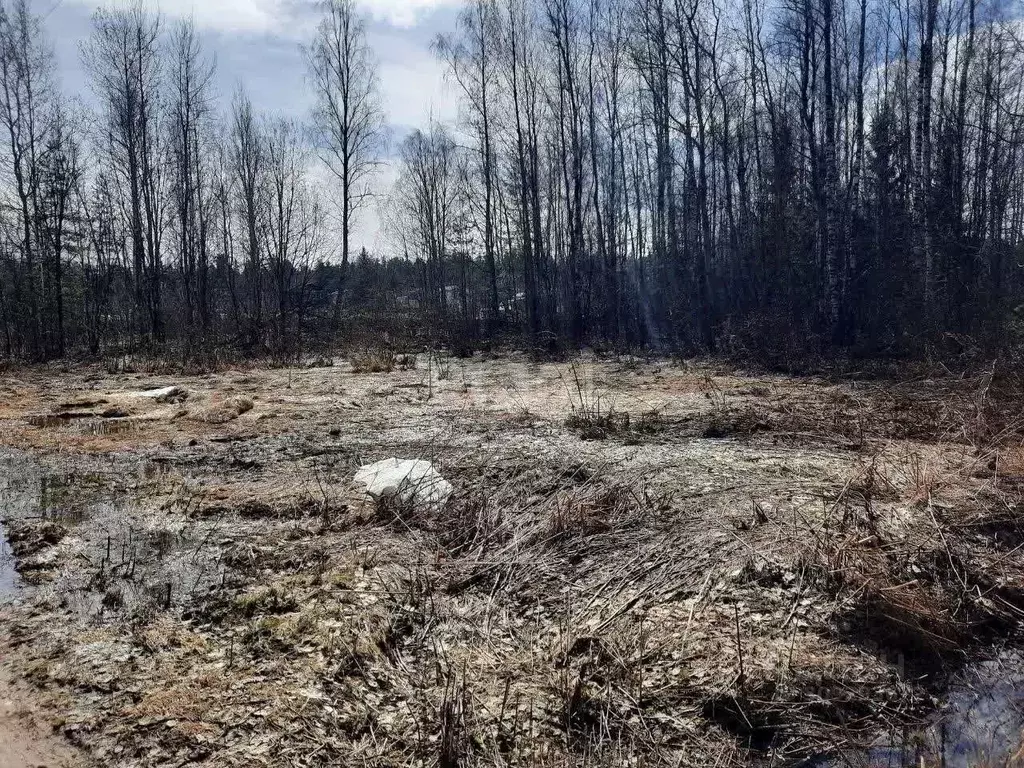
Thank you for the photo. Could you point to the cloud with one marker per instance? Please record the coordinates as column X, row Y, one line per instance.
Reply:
column 229, row 15
column 285, row 18
column 237, row 16
column 404, row 13
column 257, row 42
column 412, row 83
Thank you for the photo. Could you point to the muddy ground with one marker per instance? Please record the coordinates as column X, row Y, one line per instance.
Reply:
column 644, row 563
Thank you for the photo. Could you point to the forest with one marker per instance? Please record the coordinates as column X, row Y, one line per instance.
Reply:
column 736, row 177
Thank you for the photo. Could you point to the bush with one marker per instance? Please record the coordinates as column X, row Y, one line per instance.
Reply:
column 373, row 361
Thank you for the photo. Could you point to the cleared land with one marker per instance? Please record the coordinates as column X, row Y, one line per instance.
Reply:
column 643, row 563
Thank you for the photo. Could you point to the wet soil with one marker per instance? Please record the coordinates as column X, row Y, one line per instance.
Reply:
column 25, row 740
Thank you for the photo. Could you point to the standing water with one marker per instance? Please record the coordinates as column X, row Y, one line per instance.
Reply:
column 981, row 724
column 8, row 576
column 18, row 478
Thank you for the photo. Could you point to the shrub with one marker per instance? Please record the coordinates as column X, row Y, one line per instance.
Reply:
column 373, row 361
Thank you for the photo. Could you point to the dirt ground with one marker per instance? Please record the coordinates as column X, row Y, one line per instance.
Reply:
column 25, row 741
column 642, row 563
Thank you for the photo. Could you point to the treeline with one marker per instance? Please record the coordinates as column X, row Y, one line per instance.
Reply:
column 716, row 176
column 153, row 215
column 731, row 175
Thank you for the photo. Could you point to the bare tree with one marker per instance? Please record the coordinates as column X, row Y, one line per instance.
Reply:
column 247, row 166
column 190, row 126
column 430, row 204
column 124, row 63
column 26, row 114
column 292, row 222
column 61, row 175
column 348, row 117
column 472, row 62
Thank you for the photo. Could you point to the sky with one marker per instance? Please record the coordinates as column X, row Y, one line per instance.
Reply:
column 258, row 43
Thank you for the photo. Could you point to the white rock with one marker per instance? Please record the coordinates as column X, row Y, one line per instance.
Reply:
column 411, row 481
column 164, row 394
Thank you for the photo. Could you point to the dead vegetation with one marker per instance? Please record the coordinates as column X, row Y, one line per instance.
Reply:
column 226, row 410
column 375, row 360
column 594, row 418
column 764, row 575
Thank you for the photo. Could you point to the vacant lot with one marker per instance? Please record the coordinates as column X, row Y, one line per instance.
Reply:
column 642, row 563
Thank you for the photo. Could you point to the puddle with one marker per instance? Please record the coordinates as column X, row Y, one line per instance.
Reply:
column 16, row 474
column 8, row 575
column 982, row 724
column 131, row 546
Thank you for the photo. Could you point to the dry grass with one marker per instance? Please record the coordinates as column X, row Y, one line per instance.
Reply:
column 377, row 360
column 771, row 570
column 223, row 411
column 593, row 417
